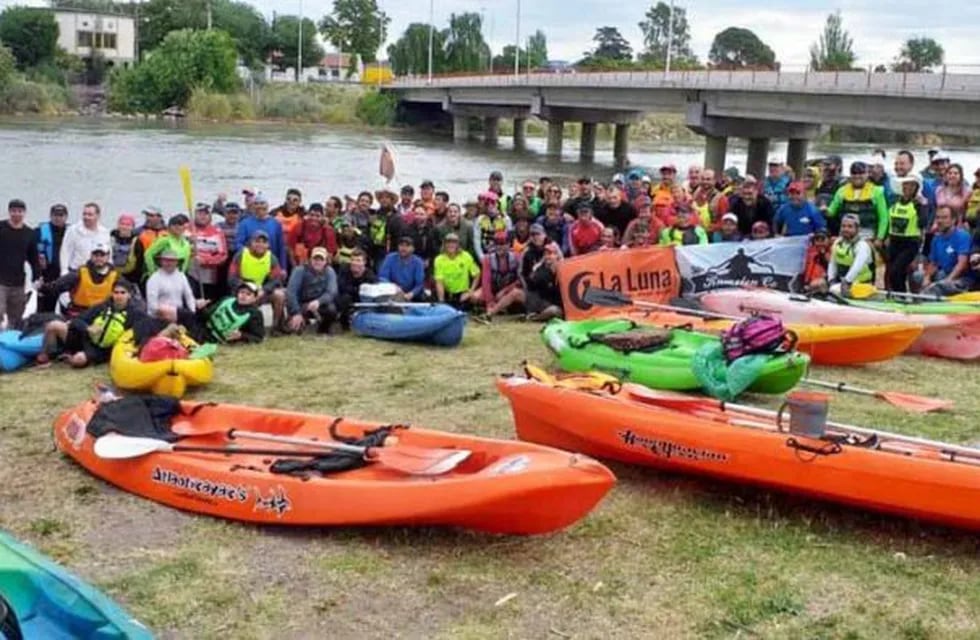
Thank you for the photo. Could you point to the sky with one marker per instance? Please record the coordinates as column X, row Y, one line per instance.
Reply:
column 788, row 26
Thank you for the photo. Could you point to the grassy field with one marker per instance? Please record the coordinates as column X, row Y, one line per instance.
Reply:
column 663, row 556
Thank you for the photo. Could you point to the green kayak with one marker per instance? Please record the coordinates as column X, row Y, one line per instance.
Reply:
column 667, row 366
column 39, row 599
column 925, row 307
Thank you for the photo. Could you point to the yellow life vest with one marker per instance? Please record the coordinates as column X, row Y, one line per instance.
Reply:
column 973, row 204
column 843, row 252
column 255, row 269
column 88, row 293
column 113, row 325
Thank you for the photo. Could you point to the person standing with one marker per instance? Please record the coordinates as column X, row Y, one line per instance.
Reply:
column 49, row 237
column 904, row 233
column 209, row 255
column 81, row 239
column 17, row 246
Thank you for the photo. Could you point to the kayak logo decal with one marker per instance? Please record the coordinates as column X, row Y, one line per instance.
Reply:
column 630, row 281
column 516, row 464
column 770, row 264
column 200, row 486
column 75, row 430
column 277, row 501
column 666, row 449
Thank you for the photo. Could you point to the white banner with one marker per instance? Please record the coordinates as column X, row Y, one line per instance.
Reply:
column 772, row 264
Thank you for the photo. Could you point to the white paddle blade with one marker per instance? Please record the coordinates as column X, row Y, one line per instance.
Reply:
column 446, row 464
column 113, row 446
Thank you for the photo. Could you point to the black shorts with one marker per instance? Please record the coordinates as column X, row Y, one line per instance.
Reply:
column 78, row 341
column 535, row 303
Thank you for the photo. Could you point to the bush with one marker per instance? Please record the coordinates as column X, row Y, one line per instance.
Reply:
column 208, row 105
column 309, row 103
column 377, row 109
column 8, row 66
column 24, row 96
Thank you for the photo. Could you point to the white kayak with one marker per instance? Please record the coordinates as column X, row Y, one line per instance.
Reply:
column 955, row 336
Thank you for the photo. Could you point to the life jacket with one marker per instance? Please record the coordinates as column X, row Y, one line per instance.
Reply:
column 488, row 227
column 207, row 245
column 289, row 222
column 255, row 269
column 45, row 246
column 225, row 319
column 123, row 253
column 377, row 232
column 584, row 237
column 704, row 214
column 903, row 220
column 816, row 265
column 680, row 237
column 973, row 204
column 502, row 274
column 112, row 324
column 861, row 204
column 148, row 236
column 843, row 253
column 88, row 293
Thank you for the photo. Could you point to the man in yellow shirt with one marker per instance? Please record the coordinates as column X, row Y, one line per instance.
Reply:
column 456, row 274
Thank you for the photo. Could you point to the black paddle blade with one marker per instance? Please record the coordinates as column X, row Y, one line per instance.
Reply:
column 606, row 297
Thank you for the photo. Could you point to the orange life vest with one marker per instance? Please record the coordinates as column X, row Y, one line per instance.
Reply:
column 149, row 236
column 89, row 293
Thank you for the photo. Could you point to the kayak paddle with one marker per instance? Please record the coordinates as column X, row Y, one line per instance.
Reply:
column 907, row 401
column 615, row 299
column 185, row 183
column 684, row 402
column 410, row 460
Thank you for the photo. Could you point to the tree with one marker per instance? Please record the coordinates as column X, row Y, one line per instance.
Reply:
column 505, row 59
column 410, row 53
column 737, row 48
column 247, row 27
column 919, row 55
column 356, row 26
column 834, row 51
column 610, row 45
column 184, row 61
column 466, row 50
column 8, row 65
column 285, row 42
column 656, row 32
column 30, row 34
column 537, row 49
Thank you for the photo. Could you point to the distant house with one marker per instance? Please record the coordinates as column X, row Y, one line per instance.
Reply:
column 111, row 36
column 333, row 68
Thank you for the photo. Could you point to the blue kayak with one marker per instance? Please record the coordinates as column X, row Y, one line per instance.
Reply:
column 437, row 324
column 17, row 350
column 40, row 599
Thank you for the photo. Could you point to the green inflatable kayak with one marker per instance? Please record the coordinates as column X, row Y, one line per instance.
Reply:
column 583, row 346
column 926, row 307
column 39, row 599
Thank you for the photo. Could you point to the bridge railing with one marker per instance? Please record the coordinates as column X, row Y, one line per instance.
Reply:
column 924, row 85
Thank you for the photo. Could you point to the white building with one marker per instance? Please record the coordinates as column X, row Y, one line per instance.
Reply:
column 83, row 33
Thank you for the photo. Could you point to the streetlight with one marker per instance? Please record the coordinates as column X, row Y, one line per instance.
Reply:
column 432, row 29
column 670, row 37
column 299, row 44
column 517, row 43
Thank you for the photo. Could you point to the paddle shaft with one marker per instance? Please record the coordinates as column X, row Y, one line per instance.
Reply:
column 642, row 304
column 326, row 444
column 841, row 386
column 180, row 448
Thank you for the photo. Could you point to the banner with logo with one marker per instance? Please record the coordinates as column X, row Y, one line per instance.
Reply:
column 773, row 264
column 648, row 274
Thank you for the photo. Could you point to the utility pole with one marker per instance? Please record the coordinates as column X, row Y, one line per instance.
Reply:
column 209, row 15
column 381, row 43
column 670, row 37
column 517, row 43
column 432, row 28
column 299, row 44
column 489, row 41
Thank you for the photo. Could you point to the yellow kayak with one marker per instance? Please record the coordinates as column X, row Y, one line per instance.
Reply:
column 826, row 344
column 163, row 377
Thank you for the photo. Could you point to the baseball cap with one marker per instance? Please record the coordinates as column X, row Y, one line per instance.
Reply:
column 259, row 233
column 168, row 254
column 260, row 199
column 156, row 211
column 821, row 233
column 795, row 187
column 500, row 237
column 775, row 162
column 730, row 216
column 59, row 210
column 178, row 219
column 732, row 173
column 646, row 179
column 749, row 179
column 249, row 191
column 407, row 189
column 668, row 168
column 537, row 228
column 407, row 240
column 496, row 175
column 248, row 284
column 583, row 208
column 101, row 248
column 125, row 217
column 232, row 206
column 316, row 206
column 319, row 252
column 940, row 156
column 16, row 203
column 617, row 178
column 427, row 184
column 858, row 167
column 451, row 237
column 489, row 195
column 202, row 206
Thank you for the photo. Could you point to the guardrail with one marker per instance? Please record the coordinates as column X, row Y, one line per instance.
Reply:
column 950, row 86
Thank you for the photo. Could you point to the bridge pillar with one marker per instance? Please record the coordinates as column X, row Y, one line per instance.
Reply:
column 491, row 129
column 556, row 134
column 715, row 150
column 758, row 152
column 461, row 128
column 520, row 133
column 587, row 148
column 796, row 155
column 621, row 145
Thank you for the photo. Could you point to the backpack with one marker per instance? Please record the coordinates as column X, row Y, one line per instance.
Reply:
column 757, row 334
column 159, row 348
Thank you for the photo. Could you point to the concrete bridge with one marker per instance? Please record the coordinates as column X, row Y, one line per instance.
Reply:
column 755, row 105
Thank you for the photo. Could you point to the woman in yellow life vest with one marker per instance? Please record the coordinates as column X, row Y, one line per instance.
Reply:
column 904, row 233
column 851, row 257
column 89, row 338
column 89, row 286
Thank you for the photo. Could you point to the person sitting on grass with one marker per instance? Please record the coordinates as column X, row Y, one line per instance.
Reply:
column 311, row 295
column 641, row 237
column 728, row 231
column 350, row 277
column 169, row 290
column 348, row 241
column 313, row 232
column 543, row 294
column 258, row 265
column 89, row 338
column 534, row 251
column 174, row 241
column 851, row 257
column 608, row 241
column 405, row 270
column 684, row 231
column 90, row 285
column 947, row 270
column 761, row 230
column 233, row 319
column 816, row 262
column 585, row 234
column 456, row 274
column 500, row 286
column 554, row 223
column 648, row 221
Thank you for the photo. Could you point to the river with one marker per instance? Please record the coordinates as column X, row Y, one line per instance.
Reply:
column 125, row 165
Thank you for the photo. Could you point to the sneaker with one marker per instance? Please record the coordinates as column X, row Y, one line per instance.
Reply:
column 42, row 360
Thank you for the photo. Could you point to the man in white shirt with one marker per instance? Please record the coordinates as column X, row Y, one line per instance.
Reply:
column 81, row 239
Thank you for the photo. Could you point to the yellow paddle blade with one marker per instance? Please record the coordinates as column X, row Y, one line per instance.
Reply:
column 969, row 296
column 185, row 183
column 863, row 290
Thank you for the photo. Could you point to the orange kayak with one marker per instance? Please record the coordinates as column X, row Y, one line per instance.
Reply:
column 887, row 473
column 503, row 487
column 832, row 345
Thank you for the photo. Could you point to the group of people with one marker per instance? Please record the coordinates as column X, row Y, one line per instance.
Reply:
column 496, row 254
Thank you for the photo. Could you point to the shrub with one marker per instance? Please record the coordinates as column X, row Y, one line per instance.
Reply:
column 377, row 109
